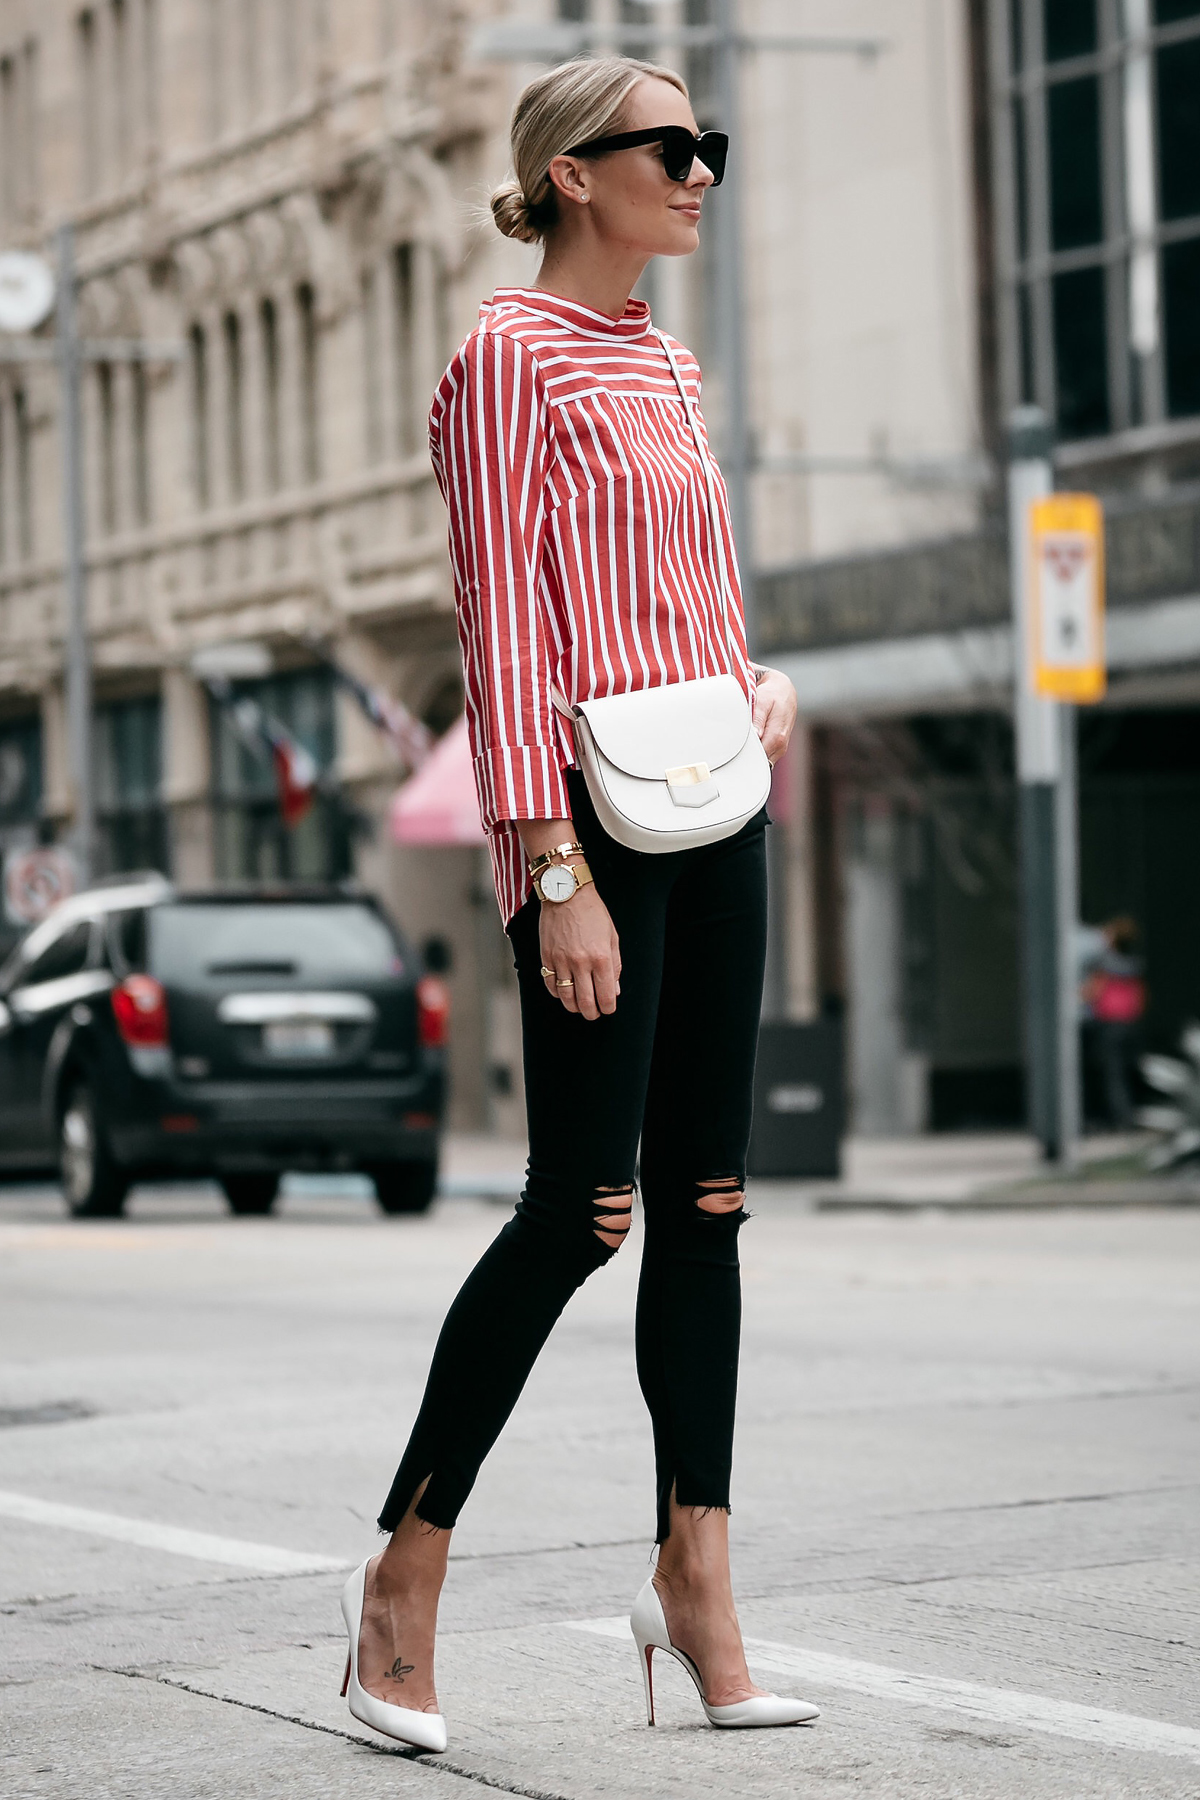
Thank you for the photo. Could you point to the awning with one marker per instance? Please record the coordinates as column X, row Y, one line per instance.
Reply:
column 439, row 805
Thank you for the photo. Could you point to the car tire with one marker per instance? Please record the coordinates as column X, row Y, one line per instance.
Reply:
column 94, row 1185
column 250, row 1196
column 404, row 1187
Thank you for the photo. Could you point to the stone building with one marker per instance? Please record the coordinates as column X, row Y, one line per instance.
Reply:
column 281, row 187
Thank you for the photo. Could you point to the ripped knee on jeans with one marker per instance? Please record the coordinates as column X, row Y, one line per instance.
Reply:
column 611, row 1219
column 721, row 1194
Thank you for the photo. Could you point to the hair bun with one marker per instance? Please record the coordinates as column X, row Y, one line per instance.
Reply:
column 513, row 213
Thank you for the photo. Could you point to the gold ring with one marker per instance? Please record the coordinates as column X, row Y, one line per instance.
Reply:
column 546, row 971
column 567, row 983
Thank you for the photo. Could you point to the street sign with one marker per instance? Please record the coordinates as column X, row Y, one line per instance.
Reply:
column 1066, row 638
column 26, row 290
column 35, row 881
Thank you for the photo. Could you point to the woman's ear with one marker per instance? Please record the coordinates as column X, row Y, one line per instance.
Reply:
column 568, row 178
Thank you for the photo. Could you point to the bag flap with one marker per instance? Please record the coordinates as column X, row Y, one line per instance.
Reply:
column 648, row 732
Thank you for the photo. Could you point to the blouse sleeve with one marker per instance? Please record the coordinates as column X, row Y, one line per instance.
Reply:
column 488, row 440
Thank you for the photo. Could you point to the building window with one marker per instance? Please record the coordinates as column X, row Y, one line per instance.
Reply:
column 231, row 331
column 23, row 431
column 131, row 819
column 310, row 443
column 404, row 327
column 201, row 451
column 150, row 71
column 1076, row 203
column 1177, row 79
column 214, row 48
column 268, row 325
column 120, row 86
column 1097, row 118
column 10, row 140
column 1181, row 309
column 20, row 780
column 89, row 107
column 143, row 500
column 1080, row 349
column 252, row 841
column 106, row 399
column 371, row 365
column 1069, row 27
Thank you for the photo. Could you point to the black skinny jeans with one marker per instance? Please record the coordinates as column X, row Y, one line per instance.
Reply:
column 672, row 1066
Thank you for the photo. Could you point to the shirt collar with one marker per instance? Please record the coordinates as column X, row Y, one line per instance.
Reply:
column 633, row 323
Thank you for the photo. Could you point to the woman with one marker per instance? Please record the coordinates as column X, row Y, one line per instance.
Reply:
column 583, row 540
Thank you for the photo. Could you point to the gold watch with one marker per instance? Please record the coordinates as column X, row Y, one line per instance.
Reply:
column 561, row 881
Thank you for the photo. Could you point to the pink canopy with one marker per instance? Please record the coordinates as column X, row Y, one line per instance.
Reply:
column 438, row 805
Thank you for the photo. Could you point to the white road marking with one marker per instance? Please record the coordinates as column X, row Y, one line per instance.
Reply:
column 1000, row 1706
column 204, row 1546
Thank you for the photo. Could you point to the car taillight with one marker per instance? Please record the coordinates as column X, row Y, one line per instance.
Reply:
column 140, row 1008
column 433, row 1012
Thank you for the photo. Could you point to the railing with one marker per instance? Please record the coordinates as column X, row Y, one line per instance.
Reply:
column 1152, row 550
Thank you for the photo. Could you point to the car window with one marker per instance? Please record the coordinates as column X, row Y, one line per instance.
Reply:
column 66, row 955
column 196, row 941
column 126, row 940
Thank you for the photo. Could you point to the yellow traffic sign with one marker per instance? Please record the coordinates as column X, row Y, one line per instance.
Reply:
column 1066, row 636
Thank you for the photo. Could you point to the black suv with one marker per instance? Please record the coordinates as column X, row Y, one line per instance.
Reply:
column 146, row 1032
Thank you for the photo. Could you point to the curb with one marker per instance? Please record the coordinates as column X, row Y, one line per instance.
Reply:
column 1039, row 1197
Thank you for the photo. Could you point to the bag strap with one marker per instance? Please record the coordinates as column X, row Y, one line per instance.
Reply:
column 714, row 514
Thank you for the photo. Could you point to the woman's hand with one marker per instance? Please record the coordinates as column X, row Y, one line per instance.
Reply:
column 579, row 943
column 774, row 713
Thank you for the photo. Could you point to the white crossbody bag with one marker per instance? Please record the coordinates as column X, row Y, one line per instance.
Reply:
column 672, row 767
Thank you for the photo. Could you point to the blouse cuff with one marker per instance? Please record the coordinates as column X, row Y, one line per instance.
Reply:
column 521, row 781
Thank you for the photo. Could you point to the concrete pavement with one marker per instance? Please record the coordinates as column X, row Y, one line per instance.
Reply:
column 965, row 1508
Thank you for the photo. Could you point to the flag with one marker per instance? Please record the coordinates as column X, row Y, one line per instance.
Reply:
column 295, row 777
column 296, row 774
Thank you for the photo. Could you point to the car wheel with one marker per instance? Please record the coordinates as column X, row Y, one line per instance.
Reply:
column 93, row 1184
column 405, row 1187
column 250, row 1195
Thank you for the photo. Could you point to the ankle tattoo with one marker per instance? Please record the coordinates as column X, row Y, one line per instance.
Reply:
column 400, row 1669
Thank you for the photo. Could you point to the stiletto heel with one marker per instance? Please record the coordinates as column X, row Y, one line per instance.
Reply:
column 425, row 1731
column 346, row 1676
column 649, row 1626
column 645, row 1652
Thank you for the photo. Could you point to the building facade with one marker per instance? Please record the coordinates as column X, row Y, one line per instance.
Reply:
column 280, row 189
column 1085, row 159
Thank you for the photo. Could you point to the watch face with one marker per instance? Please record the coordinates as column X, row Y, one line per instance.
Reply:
column 557, row 882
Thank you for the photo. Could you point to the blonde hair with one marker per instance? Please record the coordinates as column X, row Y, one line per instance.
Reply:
column 571, row 104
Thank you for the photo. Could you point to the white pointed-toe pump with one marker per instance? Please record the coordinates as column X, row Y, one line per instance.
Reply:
column 650, row 1634
column 424, row 1730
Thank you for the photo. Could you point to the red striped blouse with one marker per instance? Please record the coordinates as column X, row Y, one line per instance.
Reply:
column 580, row 539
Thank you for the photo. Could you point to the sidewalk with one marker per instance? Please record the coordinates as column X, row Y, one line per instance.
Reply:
column 958, row 1171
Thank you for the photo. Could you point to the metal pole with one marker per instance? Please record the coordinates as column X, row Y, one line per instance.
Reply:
column 78, row 649
column 1070, row 1096
column 1045, row 947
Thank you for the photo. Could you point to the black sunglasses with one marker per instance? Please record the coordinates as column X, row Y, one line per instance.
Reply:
column 680, row 149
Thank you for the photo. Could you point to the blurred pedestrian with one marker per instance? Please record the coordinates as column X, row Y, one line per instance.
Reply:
column 593, row 555
column 1112, row 1003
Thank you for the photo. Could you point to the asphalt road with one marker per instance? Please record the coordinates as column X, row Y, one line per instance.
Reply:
column 965, row 1516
